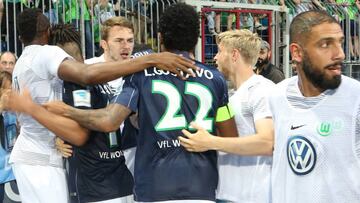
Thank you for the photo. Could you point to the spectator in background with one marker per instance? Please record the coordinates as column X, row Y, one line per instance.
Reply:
column 73, row 11
column 352, row 8
column 7, row 61
column 8, row 134
column 10, row 9
column 303, row 6
column 265, row 68
column 103, row 10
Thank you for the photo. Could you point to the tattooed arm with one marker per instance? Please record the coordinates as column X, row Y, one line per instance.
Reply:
column 107, row 119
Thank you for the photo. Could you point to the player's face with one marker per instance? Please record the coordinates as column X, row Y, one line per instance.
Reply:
column 7, row 62
column 322, row 56
column 223, row 60
column 120, row 43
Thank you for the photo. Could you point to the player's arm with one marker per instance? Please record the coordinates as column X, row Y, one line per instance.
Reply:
column 63, row 127
column 84, row 74
column 225, row 122
column 106, row 119
column 260, row 143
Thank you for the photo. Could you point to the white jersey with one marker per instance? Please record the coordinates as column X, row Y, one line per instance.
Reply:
column 317, row 150
column 247, row 178
column 37, row 70
column 116, row 85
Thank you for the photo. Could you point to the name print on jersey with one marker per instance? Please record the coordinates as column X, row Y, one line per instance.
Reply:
column 198, row 73
column 168, row 143
column 111, row 155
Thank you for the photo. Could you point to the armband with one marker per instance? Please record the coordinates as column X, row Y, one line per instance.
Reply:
column 224, row 113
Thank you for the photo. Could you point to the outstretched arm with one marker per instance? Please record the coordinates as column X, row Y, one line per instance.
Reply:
column 260, row 143
column 107, row 119
column 84, row 74
column 63, row 127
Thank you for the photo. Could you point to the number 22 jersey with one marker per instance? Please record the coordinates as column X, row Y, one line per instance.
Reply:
column 164, row 170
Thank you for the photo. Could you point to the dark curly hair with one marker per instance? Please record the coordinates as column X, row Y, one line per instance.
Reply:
column 31, row 23
column 179, row 27
column 64, row 33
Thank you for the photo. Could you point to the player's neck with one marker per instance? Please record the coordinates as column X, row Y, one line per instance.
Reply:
column 306, row 87
column 107, row 57
column 242, row 74
column 37, row 41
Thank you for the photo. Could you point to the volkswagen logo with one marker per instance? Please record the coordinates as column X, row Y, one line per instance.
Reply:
column 301, row 155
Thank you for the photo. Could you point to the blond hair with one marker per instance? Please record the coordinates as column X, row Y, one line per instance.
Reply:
column 112, row 22
column 246, row 42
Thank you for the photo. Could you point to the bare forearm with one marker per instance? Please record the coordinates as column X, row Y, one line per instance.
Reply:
column 91, row 119
column 101, row 72
column 246, row 146
column 105, row 120
column 61, row 126
column 98, row 73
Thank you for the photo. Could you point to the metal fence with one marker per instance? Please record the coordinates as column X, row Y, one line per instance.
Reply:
column 87, row 16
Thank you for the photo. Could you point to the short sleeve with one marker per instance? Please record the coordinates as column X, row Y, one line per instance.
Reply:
column 49, row 61
column 260, row 102
column 129, row 95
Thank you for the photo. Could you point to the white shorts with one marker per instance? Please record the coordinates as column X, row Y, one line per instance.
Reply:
column 41, row 184
column 126, row 199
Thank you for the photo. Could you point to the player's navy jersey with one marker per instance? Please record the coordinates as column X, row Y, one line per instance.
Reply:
column 166, row 104
column 98, row 167
column 129, row 132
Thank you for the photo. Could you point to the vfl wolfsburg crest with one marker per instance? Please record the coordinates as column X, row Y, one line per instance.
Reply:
column 327, row 127
column 324, row 128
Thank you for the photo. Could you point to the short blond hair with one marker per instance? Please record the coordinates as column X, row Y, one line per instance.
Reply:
column 112, row 22
column 245, row 41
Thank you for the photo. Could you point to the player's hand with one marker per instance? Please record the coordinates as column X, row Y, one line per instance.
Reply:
column 196, row 142
column 174, row 63
column 57, row 107
column 13, row 101
column 63, row 148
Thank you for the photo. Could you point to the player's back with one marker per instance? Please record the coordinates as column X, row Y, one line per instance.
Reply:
column 36, row 70
column 166, row 104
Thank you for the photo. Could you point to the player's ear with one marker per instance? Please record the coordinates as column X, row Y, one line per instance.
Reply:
column 104, row 45
column 296, row 52
column 235, row 54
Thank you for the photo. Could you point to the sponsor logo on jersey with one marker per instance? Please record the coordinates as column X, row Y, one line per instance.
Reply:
column 82, row 98
column 301, row 155
column 293, row 127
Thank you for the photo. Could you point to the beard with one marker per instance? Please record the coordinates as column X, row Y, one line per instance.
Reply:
column 318, row 77
column 261, row 62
